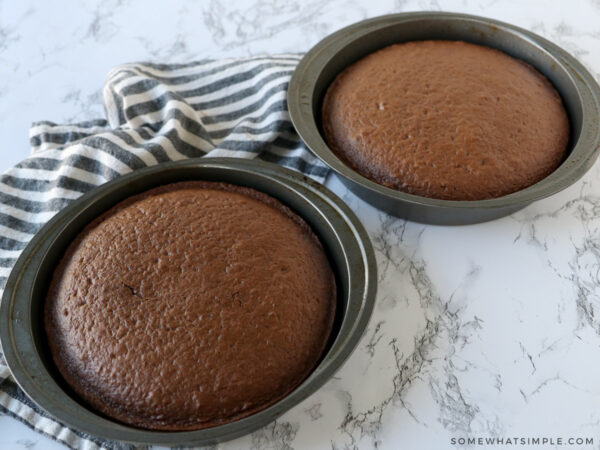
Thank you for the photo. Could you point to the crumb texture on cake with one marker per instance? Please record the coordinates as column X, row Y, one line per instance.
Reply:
column 189, row 306
column 446, row 119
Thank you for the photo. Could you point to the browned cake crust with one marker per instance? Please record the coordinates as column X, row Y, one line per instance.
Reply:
column 447, row 120
column 189, row 306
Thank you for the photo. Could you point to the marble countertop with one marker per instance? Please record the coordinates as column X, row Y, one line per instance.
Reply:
column 489, row 330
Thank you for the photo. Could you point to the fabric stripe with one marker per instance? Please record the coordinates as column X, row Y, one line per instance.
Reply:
column 259, row 115
column 16, row 402
column 211, row 69
column 198, row 84
column 212, row 98
column 77, row 161
column 46, row 135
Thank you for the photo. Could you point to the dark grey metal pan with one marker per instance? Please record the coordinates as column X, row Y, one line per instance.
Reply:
column 21, row 323
column 322, row 63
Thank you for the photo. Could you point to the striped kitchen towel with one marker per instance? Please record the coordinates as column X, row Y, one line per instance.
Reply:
column 155, row 113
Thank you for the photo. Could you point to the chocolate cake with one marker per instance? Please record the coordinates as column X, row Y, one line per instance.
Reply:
column 191, row 305
column 445, row 119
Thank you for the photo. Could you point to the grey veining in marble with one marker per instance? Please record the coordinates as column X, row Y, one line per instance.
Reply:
column 484, row 330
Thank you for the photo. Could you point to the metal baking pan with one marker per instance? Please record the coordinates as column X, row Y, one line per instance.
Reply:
column 579, row 91
column 21, row 313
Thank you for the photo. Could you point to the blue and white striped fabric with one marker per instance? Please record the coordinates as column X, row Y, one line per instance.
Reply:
column 155, row 113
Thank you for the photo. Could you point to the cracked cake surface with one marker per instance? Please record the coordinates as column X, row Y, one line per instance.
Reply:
column 191, row 305
column 446, row 119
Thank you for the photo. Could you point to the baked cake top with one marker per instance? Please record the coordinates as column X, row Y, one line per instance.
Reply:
column 191, row 305
column 446, row 119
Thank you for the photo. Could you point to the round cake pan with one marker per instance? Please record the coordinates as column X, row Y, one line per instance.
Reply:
column 579, row 91
column 22, row 332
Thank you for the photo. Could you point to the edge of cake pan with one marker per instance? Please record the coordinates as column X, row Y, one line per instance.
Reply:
column 345, row 238
column 578, row 88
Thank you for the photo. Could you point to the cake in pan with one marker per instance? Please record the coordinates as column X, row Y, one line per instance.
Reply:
column 446, row 119
column 191, row 305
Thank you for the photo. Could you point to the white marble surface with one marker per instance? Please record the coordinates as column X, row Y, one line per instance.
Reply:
column 485, row 330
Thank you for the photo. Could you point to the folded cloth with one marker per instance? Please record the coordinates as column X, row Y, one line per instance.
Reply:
column 155, row 113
